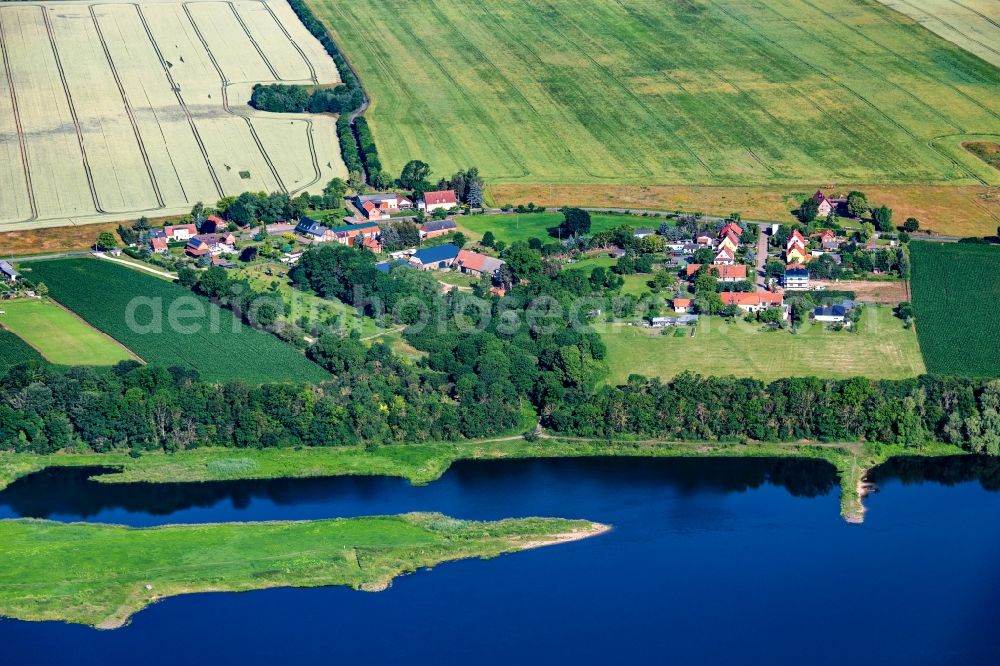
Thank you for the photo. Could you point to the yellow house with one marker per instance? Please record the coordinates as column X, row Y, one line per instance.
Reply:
column 730, row 242
column 796, row 254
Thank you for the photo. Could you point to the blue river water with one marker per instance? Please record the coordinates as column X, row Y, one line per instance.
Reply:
column 709, row 561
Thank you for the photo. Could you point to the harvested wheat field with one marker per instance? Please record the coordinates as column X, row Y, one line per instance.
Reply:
column 113, row 110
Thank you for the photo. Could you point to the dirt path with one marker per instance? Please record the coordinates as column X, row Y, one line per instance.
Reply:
column 138, row 267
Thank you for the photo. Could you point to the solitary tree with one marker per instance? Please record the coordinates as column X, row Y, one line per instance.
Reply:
column 335, row 189
column 576, row 221
column 857, row 204
column 488, row 239
column 475, row 198
column 882, row 216
column 911, row 224
column 808, row 210
column 41, row 289
column 105, row 241
column 414, row 175
column 459, row 239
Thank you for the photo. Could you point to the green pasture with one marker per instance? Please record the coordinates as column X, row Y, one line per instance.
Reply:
column 58, row 335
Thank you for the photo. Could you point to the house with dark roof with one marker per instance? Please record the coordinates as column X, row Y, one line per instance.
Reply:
column 7, row 272
column 833, row 313
column 441, row 199
column 440, row 256
column 434, row 228
column 795, row 278
column 314, row 231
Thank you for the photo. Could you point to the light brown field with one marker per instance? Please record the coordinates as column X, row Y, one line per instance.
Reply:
column 946, row 210
column 112, row 110
column 973, row 25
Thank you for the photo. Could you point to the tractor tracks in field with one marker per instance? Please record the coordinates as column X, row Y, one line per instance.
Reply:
column 225, row 98
column 72, row 109
column 22, row 146
column 291, row 40
column 180, row 101
column 129, row 111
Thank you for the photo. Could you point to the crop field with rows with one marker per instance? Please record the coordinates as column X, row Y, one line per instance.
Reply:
column 955, row 291
column 14, row 350
column 135, row 309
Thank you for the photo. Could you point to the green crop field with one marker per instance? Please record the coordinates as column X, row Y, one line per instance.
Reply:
column 14, row 350
column 59, row 336
column 515, row 227
column 955, row 291
column 882, row 349
column 652, row 92
column 213, row 342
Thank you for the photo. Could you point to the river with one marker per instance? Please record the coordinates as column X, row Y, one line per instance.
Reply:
column 710, row 561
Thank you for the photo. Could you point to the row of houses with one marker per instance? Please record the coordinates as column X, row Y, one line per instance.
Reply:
column 385, row 204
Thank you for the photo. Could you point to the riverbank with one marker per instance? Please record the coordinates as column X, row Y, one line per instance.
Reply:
column 424, row 463
column 107, row 573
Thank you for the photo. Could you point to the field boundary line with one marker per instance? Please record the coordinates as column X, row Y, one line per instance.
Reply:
column 180, row 101
column 128, row 109
column 22, row 145
column 941, row 20
column 139, row 267
column 72, row 109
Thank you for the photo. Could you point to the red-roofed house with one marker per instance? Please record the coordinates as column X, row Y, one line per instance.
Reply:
column 371, row 243
column 433, row 201
column 682, row 305
column 725, row 273
column 731, row 228
column 730, row 241
column 753, row 301
column 476, row 264
column 216, row 222
column 159, row 244
column 725, row 256
column 372, row 211
column 180, row 232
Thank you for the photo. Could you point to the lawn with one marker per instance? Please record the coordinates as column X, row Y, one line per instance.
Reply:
column 14, row 350
column 882, row 349
column 955, row 290
column 58, row 335
column 108, row 572
column 199, row 335
column 517, row 227
column 645, row 92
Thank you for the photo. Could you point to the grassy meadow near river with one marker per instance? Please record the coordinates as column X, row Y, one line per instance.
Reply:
column 102, row 574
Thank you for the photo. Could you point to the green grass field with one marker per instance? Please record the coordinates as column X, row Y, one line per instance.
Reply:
column 882, row 349
column 59, row 336
column 517, row 227
column 108, row 572
column 14, row 350
column 956, row 288
column 643, row 91
column 210, row 340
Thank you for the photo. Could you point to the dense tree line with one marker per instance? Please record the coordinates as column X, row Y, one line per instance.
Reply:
column 691, row 407
column 369, row 155
column 281, row 98
column 349, row 151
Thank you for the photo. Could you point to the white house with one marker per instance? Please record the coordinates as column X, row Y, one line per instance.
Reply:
column 442, row 199
column 795, row 278
column 180, row 232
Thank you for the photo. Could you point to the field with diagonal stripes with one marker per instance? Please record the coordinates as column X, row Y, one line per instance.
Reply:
column 711, row 92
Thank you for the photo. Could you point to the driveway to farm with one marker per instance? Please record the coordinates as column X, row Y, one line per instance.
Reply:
column 138, row 267
column 761, row 260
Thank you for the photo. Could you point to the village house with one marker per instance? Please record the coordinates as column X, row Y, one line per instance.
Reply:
column 435, row 228
column 825, row 206
column 7, row 272
column 730, row 242
column 292, row 257
column 753, row 301
column 725, row 256
column 372, row 212
column 795, row 248
column 180, row 232
column 159, row 244
column 731, row 228
column 682, row 305
column 642, row 233
column 833, row 314
column 680, row 245
column 440, row 256
column 211, row 244
column 382, row 204
column 314, row 231
column 704, row 239
column 795, row 278
column 353, row 234
column 725, row 273
column 476, row 264
column 442, row 199
column 371, row 243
